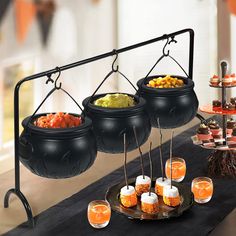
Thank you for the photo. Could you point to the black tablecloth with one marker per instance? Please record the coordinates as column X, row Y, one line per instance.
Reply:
column 69, row 217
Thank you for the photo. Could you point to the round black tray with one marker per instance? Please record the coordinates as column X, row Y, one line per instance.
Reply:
column 165, row 212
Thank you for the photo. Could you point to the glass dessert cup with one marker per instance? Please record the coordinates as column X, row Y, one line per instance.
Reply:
column 142, row 185
column 202, row 188
column 99, row 213
column 178, row 169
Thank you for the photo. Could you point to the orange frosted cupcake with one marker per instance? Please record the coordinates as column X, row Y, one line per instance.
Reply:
column 214, row 81
column 149, row 203
column 128, row 196
column 142, row 185
column 233, row 76
column 171, row 196
column 227, row 80
column 160, row 184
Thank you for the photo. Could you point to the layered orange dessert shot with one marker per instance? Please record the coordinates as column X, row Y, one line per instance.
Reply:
column 142, row 184
column 128, row 197
column 149, row 203
column 171, row 196
column 178, row 169
column 160, row 184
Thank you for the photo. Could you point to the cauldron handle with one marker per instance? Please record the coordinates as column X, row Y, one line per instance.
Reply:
column 167, row 54
column 113, row 70
column 201, row 118
column 47, row 96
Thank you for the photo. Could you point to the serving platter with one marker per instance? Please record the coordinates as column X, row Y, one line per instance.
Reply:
column 165, row 212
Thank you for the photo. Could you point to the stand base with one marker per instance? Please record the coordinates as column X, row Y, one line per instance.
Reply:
column 24, row 201
column 222, row 163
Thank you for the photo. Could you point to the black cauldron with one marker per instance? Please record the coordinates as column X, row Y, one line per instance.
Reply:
column 173, row 106
column 111, row 123
column 57, row 153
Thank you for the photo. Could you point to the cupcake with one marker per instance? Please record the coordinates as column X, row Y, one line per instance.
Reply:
column 214, row 127
column 227, row 80
column 128, row 196
column 231, row 106
column 216, row 104
column 233, row 137
column 142, row 185
column 149, row 203
column 226, row 106
column 214, row 81
column 203, row 132
column 233, row 100
column 160, row 184
column 171, row 196
column 233, row 76
column 231, row 123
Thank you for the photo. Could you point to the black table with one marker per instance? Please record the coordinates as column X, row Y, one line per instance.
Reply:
column 69, row 217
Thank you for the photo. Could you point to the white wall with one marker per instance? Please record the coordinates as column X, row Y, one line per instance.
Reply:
column 233, row 44
column 140, row 20
column 80, row 29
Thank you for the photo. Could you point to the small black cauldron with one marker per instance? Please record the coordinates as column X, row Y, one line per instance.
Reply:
column 173, row 106
column 111, row 123
column 57, row 153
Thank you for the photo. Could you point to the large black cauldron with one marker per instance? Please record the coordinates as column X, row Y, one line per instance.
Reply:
column 57, row 153
column 173, row 106
column 111, row 123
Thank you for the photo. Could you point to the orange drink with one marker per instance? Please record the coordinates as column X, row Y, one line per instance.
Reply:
column 178, row 169
column 202, row 188
column 99, row 213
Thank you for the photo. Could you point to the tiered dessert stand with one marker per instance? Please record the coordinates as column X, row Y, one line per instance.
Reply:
column 222, row 161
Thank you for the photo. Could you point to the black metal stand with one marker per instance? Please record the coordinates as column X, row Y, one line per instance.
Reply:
column 48, row 74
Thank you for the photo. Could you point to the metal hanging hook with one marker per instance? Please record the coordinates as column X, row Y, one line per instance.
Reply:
column 168, row 41
column 59, row 73
column 113, row 63
column 163, row 50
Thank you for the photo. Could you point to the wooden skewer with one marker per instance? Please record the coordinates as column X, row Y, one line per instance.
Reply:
column 140, row 152
column 160, row 149
column 171, row 144
column 150, row 161
column 125, row 158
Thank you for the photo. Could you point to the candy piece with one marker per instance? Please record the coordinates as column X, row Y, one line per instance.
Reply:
column 128, row 196
column 58, row 120
column 165, row 82
column 160, row 185
column 142, row 185
column 149, row 203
